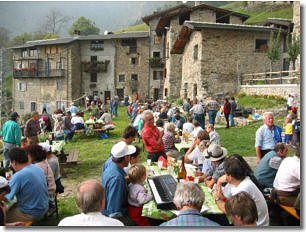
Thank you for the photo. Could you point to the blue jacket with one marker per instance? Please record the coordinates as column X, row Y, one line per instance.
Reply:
column 11, row 132
column 116, row 191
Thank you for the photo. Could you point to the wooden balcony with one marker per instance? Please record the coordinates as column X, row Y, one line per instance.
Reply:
column 24, row 73
column 96, row 67
column 156, row 62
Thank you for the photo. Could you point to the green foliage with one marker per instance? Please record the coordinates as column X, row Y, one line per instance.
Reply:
column 139, row 27
column 274, row 49
column 179, row 101
column 9, row 85
column 85, row 26
column 260, row 101
column 51, row 36
column 21, row 39
column 293, row 48
column 262, row 12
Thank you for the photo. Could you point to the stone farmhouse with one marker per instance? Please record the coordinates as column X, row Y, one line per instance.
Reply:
column 53, row 73
column 189, row 51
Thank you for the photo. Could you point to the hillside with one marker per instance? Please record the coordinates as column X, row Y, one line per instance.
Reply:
column 261, row 11
column 139, row 27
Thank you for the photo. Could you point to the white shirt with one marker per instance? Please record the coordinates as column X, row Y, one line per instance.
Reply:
column 187, row 126
column 248, row 186
column 288, row 175
column 76, row 120
column 290, row 101
column 196, row 131
column 197, row 109
column 138, row 195
column 196, row 156
column 90, row 219
column 214, row 137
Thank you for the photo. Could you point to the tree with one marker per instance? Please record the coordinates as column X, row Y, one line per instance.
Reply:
column 293, row 48
column 274, row 49
column 54, row 22
column 84, row 26
column 4, row 37
column 21, row 39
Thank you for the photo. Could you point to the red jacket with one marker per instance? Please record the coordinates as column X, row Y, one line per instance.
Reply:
column 150, row 136
column 227, row 108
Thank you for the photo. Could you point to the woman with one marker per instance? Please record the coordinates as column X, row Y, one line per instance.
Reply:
column 169, row 140
column 227, row 111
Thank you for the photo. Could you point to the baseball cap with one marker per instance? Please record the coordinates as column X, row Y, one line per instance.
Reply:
column 3, row 182
column 121, row 149
column 14, row 115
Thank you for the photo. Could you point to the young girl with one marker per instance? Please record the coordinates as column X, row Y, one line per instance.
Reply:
column 135, row 158
column 138, row 195
column 288, row 131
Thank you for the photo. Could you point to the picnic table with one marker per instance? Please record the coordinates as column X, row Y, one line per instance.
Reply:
column 150, row 209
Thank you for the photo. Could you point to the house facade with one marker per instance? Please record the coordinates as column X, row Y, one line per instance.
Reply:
column 214, row 55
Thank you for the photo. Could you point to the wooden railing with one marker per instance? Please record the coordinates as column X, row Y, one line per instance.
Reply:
column 266, row 78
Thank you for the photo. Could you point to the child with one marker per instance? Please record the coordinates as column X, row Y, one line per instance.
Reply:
column 160, row 124
column 288, row 131
column 138, row 195
column 135, row 158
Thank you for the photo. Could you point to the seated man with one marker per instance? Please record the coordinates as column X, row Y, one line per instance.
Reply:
column 287, row 180
column 90, row 199
column 216, row 154
column 106, row 117
column 266, row 170
column 29, row 185
column 196, row 128
column 187, row 126
column 242, row 210
column 78, row 122
column 188, row 199
column 113, row 179
column 194, row 154
column 178, row 120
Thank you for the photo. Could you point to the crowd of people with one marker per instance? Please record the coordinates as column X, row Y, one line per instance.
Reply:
column 119, row 197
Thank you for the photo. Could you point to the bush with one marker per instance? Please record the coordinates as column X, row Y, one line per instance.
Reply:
column 179, row 101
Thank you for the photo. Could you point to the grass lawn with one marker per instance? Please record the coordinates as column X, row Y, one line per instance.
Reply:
column 94, row 151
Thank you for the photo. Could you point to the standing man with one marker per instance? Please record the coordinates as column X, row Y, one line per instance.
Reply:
column 116, row 104
column 198, row 113
column 11, row 136
column 267, row 136
column 233, row 109
column 68, row 127
column 116, row 188
column 187, row 105
column 152, row 138
column 267, row 168
column 32, row 128
column 212, row 108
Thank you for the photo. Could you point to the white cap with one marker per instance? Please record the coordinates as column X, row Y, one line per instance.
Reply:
column 3, row 182
column 121, row 149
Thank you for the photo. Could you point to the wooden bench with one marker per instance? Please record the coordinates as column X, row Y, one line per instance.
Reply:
column 72, row 157
column 290, row 210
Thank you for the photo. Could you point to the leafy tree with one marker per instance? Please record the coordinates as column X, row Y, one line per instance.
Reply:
column 85, row 26
column 21, row 39
column 274, row 48
column 293, row 48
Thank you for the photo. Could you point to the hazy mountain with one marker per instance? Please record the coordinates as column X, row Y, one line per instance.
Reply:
column 20, row 17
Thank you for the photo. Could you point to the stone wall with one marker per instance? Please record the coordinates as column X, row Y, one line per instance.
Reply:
column 124, row 67
column 203, row 15
column 278, row 90
column 235, row 20
column 225, row 55
column 105, row 80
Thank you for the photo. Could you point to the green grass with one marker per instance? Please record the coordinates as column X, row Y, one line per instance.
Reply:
column 139, row 27
column 262, row 12
column 260, row 102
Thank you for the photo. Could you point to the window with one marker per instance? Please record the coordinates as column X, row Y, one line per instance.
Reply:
column 47, row 65
column 21, row 105
column 24, row 53
column 121, row 78
column 22, row 87
column 33, row 106
column 93, row 58
column 222, row 17
column 195, row 90
column 158, row 75
column 195, row 52
column 166, row 92
column 183, row 18
column 261, row 45
column 134, row 77
column 33, row 52
column 58, row 65
column 156, row 54
column 132, row 43
column 58, row 85
column 157, row 39
column 32, row 66
column 51, row 49
column 134, row 60
column 97, row 45
column 93, row 77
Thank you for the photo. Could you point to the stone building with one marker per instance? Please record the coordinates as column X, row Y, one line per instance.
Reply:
column 166, row 26
column 46, row 73
column 53, row 73
column 214, row 55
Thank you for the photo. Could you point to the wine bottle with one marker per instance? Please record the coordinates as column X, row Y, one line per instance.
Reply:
column 182, row 171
